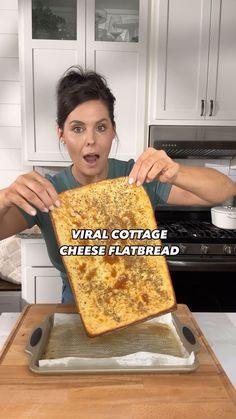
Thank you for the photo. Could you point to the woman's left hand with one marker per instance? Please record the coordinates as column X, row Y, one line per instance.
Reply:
column 151, row 165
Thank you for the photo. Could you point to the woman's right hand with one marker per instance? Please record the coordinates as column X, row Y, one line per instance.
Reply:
column 31, row 190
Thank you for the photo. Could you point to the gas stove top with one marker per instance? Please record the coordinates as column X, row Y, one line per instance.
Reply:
column 189, row 231
column 194, row 233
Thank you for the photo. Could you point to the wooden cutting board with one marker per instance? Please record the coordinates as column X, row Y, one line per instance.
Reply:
column 206, row 393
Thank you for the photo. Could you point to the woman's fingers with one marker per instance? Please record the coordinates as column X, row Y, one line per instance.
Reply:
column 18, row 200
column 49, row 188
column 166, row 173
column 148, row 171
column 39, row 188
column 169, row 175
column 155, row 172
column 153, row 164
column 142, row 166
column 31, row 191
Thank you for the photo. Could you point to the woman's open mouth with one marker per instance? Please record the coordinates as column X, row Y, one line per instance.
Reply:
column 91, row 159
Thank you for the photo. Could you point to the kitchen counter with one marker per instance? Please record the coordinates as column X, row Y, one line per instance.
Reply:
column 220, row 332
column 205, row 392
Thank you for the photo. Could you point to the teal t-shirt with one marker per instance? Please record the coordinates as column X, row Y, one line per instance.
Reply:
column 64, row 180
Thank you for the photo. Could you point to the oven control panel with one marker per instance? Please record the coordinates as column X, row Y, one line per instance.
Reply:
column 206, row 249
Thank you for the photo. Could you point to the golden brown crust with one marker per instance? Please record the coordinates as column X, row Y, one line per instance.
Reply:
column 112, row 292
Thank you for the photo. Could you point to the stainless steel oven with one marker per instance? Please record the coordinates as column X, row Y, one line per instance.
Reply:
column 204, row 271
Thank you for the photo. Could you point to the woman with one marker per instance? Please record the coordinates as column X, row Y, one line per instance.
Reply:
column 86, row 126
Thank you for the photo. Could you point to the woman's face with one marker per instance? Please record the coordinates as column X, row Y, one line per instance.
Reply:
column 88, row 135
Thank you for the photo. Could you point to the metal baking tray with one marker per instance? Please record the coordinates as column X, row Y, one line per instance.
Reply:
column 66, row 339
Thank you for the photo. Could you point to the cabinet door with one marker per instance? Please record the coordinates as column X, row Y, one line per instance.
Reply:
column 51, row 39
column 179, row 57
column 116, row 47
column 48, row 288
column 43, row 286
column 222, row 61
column 118, row 52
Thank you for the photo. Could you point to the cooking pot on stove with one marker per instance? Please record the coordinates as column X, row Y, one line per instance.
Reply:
column 224, row 217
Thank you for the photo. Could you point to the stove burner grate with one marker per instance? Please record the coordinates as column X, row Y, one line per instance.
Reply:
column 196, row 230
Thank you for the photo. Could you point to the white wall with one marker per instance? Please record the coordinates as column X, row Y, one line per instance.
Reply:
column 10, row 124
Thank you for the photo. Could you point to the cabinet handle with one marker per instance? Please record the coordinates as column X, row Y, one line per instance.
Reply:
column 202, row 107
column 211, row 107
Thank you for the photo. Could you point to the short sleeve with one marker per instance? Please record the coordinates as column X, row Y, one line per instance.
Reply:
column 158, row 192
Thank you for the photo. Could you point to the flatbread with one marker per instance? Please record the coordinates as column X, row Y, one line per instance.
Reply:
column 112, row 291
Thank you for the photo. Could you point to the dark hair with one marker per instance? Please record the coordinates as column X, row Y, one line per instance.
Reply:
column 78, row 86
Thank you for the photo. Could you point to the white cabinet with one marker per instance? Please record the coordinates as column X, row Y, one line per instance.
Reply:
column 41, row 282
column 54, row 36
column 193, row 61
column 44, row 286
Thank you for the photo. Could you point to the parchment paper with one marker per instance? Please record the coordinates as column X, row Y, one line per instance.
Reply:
column 66, row 324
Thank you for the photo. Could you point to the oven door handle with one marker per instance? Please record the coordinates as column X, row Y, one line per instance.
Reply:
column 202, row 265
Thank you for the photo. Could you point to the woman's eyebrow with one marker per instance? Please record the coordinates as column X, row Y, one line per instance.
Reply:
column 83, row 123
column 76, row 122
column 101, row 120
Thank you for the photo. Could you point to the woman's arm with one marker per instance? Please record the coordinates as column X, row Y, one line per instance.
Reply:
column 200, row 186
column 191, row 185
column 11, row 222
column 29, row 191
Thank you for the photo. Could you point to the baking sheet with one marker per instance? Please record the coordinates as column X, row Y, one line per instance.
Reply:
column 155, row 345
